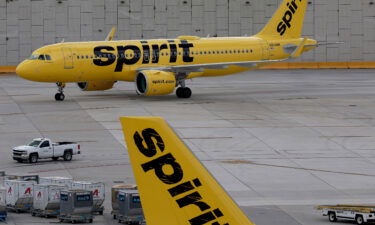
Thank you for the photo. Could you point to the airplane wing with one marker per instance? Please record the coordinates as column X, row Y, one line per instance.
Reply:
column 175, row 188
column 201, row 67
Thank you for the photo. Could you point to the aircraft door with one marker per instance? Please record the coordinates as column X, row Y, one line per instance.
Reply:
column 68, row 58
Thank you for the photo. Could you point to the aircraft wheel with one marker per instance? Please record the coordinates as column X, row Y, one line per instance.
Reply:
column 59, row 97
column 183, row 92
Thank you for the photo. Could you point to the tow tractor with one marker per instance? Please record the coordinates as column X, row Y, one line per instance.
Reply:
column 361, row 214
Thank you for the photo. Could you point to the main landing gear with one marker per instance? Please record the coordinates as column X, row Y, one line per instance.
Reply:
column 183, row 91
column 60, row 95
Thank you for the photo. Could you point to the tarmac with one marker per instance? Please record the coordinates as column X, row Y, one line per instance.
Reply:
column 279, row 141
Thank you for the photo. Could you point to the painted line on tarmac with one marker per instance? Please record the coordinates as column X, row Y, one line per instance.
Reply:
column 297, row 168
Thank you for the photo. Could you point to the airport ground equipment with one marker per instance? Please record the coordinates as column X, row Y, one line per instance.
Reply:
column 98, row 192
column 114, row 191
column 3, row 209
column 19, row 195
column 76, row 206
column 31, row 178
column 130, row 207
column 361, row 214
column 44, row 148
column 46, row 200
column 61, row 181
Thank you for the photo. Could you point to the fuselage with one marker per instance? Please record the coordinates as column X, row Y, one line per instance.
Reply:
column 121, row 60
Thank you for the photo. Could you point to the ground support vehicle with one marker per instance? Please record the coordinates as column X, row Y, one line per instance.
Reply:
column 115, row 190
column 43, row 148
column 19, row 195
column 76, row 218
column 61, row 181
column 46, row 200
column 98, row 191
column 3, row 215
column 3, row 210
column 130, row 208
column 361, row 214
column 76, row 206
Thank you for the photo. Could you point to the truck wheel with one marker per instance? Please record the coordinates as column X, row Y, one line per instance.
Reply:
column 359, row 220
column 90, row 220
column 67, row 156
column 33, row 158
column 55, row 158
column 332, row 217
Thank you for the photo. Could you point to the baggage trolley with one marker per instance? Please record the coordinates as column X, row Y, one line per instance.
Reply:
column 3, row 216
column 76, row 218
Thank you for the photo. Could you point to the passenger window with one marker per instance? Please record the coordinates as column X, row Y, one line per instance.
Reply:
column 44, row 144
column 48, row 57
column 41, row 57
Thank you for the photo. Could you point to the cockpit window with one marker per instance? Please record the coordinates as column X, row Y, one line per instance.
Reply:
column 40, row 57
column 34, row 57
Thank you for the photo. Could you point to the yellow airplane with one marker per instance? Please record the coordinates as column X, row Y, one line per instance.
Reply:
column 174, row 187
column 159, row 66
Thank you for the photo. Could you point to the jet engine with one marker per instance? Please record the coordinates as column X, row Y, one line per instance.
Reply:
column 155, row 82
column 96, row 85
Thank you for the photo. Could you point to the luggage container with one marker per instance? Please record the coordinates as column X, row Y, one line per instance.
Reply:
column 61, row 181
column 19, row 195
column 115, row 190
column 98, row 192
column 32, row 178
column 46, row 200
column 130, row 208
column 3, row 209
column 76, row 206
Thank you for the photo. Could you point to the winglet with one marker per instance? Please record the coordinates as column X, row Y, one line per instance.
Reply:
column 111, row 34
column 175, row 188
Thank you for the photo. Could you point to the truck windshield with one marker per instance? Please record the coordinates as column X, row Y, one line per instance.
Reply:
column 34, row 143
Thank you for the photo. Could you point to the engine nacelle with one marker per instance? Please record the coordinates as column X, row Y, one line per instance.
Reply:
column 96, row 85
column 155, row 82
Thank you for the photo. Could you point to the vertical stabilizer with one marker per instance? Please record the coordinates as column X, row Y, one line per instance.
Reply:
column 175, row 188
column 287, row 22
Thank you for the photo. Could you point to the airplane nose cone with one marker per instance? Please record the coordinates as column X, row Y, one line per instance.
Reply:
column 22, row 71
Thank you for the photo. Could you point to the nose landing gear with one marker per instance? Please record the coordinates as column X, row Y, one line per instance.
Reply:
column 60, row 95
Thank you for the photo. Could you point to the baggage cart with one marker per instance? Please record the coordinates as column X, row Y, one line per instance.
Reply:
column 130, row 208
column 46, row 200
column 76, row 206
column 114, row 192
column 3, row 210
column 3, row 215
column 62, row 181
column 361, row 214
column 98, row 191
column 19, row 195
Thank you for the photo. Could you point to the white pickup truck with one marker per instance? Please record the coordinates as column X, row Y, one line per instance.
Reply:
column 43, row 148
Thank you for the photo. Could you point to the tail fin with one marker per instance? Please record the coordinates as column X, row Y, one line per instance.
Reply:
column 287, row 22
column 175, row 188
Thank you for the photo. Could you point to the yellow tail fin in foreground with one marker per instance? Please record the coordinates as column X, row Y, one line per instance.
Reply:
column 175, row 188
column 287, row 22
